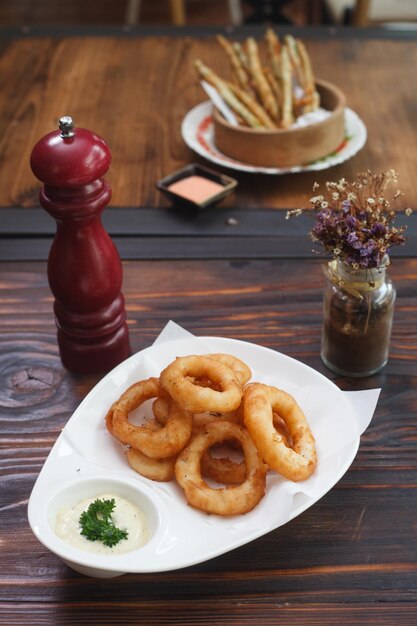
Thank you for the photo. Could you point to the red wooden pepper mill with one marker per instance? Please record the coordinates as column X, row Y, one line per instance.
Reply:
column 84, row 268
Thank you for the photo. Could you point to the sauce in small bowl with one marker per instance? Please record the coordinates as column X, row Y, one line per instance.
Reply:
column 196, row 187
column 126, row 516
column 54, row 516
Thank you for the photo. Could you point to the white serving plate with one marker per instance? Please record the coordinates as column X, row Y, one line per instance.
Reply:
column 87, row 461
column 197, row 131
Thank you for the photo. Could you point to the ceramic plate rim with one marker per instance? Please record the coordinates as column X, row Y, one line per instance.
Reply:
column 203, row 109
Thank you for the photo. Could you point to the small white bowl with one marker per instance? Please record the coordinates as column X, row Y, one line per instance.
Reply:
column 43, row 512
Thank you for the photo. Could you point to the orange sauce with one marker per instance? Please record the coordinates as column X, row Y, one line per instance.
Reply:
column 196, row 188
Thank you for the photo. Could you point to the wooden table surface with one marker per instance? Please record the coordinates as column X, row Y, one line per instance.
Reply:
column 135, row 91
column 351, row 558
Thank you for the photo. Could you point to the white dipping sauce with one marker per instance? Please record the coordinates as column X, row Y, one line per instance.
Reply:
column 125, row 516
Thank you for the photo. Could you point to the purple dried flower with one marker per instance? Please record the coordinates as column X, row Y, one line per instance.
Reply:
column 353, row 240
column 356, row 222
column 378, row 229
column 367, row 248
column 351, row 221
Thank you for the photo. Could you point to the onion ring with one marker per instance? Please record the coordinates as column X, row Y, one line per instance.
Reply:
column 162, row 443
column 222, row 469
column 109, row 419
column 161, row 470
column 176, row 380
column 160, row 409
column 200, row 419
column 295, row 463
column 242, row 371
column 282, row 429
column 230, row 500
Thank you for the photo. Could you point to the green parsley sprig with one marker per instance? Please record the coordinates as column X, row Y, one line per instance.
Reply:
column 97, row 525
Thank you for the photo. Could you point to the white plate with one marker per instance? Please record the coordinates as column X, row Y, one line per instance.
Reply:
column 197, row 130
column 87, row 461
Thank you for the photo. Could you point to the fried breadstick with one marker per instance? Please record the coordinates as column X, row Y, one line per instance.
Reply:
column 308, row 83
column 314, row 103
column 245, row 64
column 274, row 84
column 252, row 105
column 235, row 61
column 274, row 52
column 287, row 117
column 241, row 54
column 227, row 95
column 261, row 84
column 294, row 57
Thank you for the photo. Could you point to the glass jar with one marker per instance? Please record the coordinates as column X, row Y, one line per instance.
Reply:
column 358, row 308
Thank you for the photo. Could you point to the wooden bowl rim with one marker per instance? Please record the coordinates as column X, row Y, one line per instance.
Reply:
column 341, row 104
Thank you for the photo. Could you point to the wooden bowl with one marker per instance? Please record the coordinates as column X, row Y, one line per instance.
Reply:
column 286, row 147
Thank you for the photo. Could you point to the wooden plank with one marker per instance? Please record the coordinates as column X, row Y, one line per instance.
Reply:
column 319, row 32
column 37, row 249
column 268, row 610
column 173, row 222
column 26, row 234
column 159, row 248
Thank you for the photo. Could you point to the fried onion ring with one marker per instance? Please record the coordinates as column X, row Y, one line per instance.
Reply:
column 179, row 380
column 230, row 500
column 242, row 371
column 200, row 419
column 109, row 419
column 161, row 470
column 161, row 408
column 260, row 402
column 222, row 469
column 162, row 443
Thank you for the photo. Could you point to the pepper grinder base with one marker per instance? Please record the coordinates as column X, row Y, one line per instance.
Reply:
column 97, row 357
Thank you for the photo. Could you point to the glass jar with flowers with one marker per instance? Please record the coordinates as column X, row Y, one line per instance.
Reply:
column 355, row 225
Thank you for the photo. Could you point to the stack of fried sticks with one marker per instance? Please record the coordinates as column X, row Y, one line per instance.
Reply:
column 264, row 96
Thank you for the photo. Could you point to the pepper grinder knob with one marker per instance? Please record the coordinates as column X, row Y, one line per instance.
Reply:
column 66, row 126
column 84, row 268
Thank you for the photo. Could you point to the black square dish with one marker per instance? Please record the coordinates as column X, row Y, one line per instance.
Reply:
column 222, row 186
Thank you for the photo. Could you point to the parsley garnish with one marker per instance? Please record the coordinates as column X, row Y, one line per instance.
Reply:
column 97, row 524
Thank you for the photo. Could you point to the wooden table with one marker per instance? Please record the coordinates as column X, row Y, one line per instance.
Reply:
column 351, row 558
column 135, row 91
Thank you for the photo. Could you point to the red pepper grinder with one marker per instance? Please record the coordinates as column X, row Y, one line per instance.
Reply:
column 84, row 268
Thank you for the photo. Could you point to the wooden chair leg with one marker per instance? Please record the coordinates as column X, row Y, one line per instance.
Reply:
column 177, row 8
column 361, row 14
column 132, row 12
